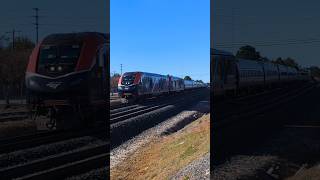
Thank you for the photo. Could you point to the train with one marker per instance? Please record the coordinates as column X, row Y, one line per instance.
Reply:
column 231, row 75
column 137, row 85
column 67, row 79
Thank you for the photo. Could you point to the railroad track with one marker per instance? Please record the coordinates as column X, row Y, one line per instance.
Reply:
column 245, row 124
column 61, row 165
column 241, row 108
column 13, row 116
column 137, row 118
column 127, row 112
column 79, row 160
column 32, row 140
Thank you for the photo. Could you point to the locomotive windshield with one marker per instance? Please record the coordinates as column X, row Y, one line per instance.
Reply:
column 58, row 59
column 128, row 79
column 55, row 54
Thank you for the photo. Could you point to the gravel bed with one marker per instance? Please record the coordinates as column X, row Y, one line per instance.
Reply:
column 26, row 155
column 136, row 125
column 124, row 150
column 241, row 166
column 287, row 150
column 97, row 174
column 198, row 169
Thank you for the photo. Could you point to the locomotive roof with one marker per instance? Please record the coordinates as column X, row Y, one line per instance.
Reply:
column 67, row 37
column 154, row 74
column 220, row 52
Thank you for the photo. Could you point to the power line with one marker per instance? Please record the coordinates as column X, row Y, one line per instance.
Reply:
column 36, row 23
column 310, row 41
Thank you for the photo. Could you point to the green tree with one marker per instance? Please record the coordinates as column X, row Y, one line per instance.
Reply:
column 187, row 78
column 315, row 71
column 248, row 52
column 291, row 62
column 21, row 43
column 13, row 67
column 114, row 82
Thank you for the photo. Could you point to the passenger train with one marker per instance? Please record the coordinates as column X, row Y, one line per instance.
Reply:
column 135, row 85
column 67, row 79
column 231, row 75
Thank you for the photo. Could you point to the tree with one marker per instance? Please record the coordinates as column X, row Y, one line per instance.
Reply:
column 248, row 52
column 287, row 62
column 13, row 67
column 315, row 71
column 21, row 43
column 291, row 62
column 187, row 78
column 278, row 61
column 114, row 82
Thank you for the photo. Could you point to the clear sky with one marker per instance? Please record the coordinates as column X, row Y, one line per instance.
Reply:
column 56, row 16
column 161, row 36
column 287, row 28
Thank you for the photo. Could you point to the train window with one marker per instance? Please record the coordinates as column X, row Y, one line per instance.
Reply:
column 48, row 54
column 220, row 70
column 213, row 66
column 69, row 52
column 128, row 79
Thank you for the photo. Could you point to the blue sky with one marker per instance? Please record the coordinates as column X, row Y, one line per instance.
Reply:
column 161, row 36
column 56, row 16
column 268, row 21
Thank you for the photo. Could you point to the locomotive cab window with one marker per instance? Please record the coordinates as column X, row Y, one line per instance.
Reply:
column 128, row 79
column 58, row 59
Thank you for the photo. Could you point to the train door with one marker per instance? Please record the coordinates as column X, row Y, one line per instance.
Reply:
column 230, row 76
column 218, row 74
column 100, row 79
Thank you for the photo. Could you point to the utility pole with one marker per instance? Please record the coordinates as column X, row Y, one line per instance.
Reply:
column 233, row 25
column 121, row 68
column 13, row 37
column 36, row 23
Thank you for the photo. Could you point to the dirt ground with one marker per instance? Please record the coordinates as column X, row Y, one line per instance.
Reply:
column 166, row 155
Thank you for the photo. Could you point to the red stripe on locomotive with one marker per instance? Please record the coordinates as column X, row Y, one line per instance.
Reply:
column 88, row 51
column 32, row 65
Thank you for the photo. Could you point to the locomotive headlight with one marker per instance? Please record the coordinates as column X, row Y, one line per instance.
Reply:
column 52, row 68
column 32, row 83
column 59, row 68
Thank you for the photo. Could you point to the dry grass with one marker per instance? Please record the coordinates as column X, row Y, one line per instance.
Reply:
column 307, row 174
column 163, row 157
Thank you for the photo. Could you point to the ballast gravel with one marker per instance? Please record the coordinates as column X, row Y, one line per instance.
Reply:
column 196, row 170
column 97, row 174
column 121, row 152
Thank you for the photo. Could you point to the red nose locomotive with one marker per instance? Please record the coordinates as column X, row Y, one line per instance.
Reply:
column 66, row 78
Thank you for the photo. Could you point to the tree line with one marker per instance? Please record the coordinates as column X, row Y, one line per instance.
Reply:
column 13, row 63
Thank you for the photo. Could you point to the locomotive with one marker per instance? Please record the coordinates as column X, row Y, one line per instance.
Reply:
column 231, row 75
column 66, row 79
column 136, row 85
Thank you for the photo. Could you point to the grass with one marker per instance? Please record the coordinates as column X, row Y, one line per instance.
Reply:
column 163, row 157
